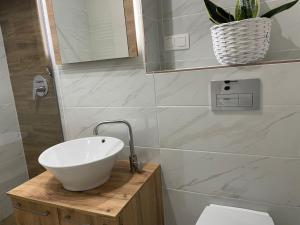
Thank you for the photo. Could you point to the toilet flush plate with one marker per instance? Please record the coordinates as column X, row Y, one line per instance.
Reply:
column 235, row 95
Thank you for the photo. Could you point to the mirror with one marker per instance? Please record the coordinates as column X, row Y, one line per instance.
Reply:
column 176, row 19
column 92, row 29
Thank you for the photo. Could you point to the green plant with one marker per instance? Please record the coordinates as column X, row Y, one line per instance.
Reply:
column 245, row 9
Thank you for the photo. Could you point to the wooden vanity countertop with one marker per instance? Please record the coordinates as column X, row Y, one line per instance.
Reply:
column 107, row 200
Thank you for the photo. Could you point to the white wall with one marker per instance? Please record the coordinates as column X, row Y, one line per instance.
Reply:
column 13, row 169
column 244, row 159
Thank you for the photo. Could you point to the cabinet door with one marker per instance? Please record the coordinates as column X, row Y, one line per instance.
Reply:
column 72, row 217
column 28, row 213
column 146, row 207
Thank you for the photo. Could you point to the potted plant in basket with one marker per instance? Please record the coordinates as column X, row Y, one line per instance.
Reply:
column 244, row 37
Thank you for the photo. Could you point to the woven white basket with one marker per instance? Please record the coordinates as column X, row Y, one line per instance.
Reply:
column 241, row 42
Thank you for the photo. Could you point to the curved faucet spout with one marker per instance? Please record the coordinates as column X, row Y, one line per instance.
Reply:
column 135, row 165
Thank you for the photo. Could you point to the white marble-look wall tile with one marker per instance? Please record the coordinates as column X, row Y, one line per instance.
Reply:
column 285, row 38
column 184, row 208
column 5, row 207
column 280, row 83
column 189, row 16
column 188, row 88
column 153, row 66
column 197, row 25
column 200, row 53
column 152, row 25
column 252, row 178
column 59, row 94
column 152, row 29
column 177, row 8
column 10, row 169
column 14, row 180
column 8, row 119
column 6, row 94
column 112, row 88
column 2, row 47
column 11, row 146
column 152, row 9
column 80, row 122
column 145, row 155
column 13, row 169
column 272, row 131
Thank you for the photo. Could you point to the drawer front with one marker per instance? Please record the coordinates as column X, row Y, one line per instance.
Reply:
column 30, row 213
column 72, row 217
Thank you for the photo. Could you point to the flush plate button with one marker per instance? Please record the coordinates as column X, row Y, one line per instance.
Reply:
column 235, row 94
column 246, row 100
column 227, row 100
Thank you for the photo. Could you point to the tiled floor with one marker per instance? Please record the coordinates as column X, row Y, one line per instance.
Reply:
column 8, row 221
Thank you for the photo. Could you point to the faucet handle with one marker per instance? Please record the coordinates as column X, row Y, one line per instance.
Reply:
column 39, row 87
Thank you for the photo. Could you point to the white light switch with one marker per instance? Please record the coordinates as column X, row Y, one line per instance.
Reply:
column 180, row 42
column 177, row 42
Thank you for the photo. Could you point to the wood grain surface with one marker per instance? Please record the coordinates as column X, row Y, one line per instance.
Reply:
column 9, row 221
column 130, row 28
column 107, row 200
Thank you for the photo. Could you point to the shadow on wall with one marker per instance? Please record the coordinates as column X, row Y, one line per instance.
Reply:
column 284, row 42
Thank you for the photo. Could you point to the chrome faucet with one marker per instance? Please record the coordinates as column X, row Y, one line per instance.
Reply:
column 135, row 165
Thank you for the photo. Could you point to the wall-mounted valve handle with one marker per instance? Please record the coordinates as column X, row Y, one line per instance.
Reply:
column 39, row 87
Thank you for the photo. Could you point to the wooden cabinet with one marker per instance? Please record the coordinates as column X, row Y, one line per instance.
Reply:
column 126, row 199
column 72, row 217
column 29, row 213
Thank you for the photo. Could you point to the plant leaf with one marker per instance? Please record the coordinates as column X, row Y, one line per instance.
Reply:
column 279, row 9
column 213, row 21
column 255, row 5
column 248, row 8
column 217, row 14
column 244, row 9
column 238, row 10
column 221, row 12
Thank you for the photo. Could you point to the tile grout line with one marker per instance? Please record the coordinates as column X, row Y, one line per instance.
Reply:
column 233, row 199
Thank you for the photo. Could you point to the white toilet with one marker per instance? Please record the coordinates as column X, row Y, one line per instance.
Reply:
column 223, row 215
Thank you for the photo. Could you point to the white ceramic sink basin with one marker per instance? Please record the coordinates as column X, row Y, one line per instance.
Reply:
column 82, row 164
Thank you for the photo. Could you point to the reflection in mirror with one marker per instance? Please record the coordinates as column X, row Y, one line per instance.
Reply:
column 175, row 17
column 93, row 29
